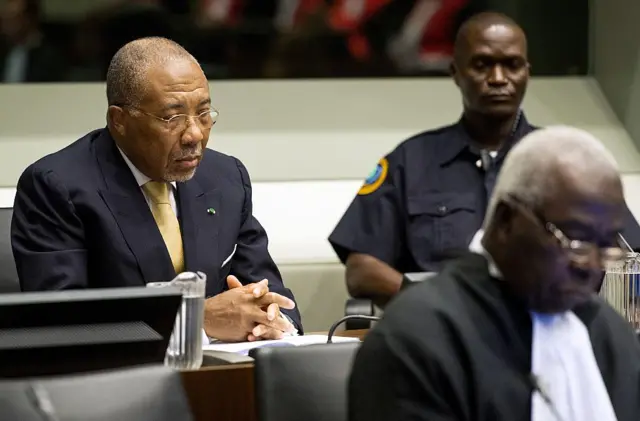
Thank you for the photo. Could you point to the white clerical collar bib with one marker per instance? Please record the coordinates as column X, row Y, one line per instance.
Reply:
column 564, row 364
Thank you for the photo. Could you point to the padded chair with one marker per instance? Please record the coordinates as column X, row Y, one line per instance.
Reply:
column 365, row 307
column 303, row 383
column 358, row 307
column 8, row 274
column 151, row 393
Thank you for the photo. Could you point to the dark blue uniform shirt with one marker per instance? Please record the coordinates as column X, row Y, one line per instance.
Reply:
column 426, row 199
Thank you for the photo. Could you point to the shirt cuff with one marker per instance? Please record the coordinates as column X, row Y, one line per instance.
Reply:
column 207, row 340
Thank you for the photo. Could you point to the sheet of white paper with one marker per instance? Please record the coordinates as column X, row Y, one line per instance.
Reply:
column 244, row 347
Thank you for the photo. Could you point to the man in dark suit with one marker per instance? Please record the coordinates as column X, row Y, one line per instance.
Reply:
column 145, row 199
column 25, row 53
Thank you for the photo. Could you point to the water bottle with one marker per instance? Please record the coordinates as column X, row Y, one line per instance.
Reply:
column 185, row 346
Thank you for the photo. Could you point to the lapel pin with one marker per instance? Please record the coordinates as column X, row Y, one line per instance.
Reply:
column 211, row 211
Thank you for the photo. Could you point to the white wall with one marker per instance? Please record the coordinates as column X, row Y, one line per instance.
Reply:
column 305, row 212
column 615, row 54
column 319, row 137
column 300, row 130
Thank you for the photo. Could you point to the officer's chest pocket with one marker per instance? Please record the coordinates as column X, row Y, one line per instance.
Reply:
column 440, row 223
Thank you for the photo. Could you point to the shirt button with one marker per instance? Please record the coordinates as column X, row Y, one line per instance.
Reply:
column 442, row 209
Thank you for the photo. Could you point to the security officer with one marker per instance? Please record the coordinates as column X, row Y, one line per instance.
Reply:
column 426, row 199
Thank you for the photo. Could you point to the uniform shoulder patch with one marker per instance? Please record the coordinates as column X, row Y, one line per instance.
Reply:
column 375, row 178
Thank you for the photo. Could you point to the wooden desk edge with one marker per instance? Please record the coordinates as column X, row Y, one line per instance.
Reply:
column 226, row 392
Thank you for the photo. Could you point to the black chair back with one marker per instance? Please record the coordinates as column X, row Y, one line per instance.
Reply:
column 152, row 393
column 303, row 383
column 8, row 274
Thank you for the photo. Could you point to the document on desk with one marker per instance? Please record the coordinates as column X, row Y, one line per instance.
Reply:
column 243, row 348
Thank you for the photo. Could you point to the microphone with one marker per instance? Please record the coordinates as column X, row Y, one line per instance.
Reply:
column 531, row 379
column 344, row 319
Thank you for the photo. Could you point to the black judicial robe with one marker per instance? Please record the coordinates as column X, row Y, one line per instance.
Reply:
column 458, row 347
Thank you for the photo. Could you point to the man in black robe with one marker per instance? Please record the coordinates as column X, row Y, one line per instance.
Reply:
column 513, row 330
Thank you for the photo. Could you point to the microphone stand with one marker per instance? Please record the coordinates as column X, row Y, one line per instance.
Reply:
column 344, row 319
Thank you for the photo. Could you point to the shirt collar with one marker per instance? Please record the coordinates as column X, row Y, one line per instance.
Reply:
column 476, row 247
column 141, row 178
column 461, row 141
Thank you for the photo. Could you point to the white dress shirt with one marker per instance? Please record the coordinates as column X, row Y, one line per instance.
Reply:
column 17, row 60
column 143, row 179
column 15, row 65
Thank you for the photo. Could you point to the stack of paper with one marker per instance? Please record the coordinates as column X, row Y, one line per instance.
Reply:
column 243, row 348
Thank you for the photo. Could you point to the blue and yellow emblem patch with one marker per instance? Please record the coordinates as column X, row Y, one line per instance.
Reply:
column 375, row 178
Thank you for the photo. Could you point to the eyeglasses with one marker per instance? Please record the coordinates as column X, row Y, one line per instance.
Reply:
column 580, row 252
column 180, row 122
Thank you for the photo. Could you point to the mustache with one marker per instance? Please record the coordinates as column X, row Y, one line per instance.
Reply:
column 188, row 153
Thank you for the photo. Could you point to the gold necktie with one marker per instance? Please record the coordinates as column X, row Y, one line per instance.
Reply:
column 167, row 221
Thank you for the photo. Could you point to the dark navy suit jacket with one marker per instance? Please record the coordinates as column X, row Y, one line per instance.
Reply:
column 80, row 220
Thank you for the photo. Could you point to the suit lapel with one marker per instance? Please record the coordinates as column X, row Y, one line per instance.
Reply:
column 200, row 223
column 129, row 208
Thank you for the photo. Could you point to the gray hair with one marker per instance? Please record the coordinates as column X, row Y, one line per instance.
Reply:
column 530, row 166
column 127, row 71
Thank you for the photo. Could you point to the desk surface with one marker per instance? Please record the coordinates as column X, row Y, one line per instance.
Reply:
column 227, row 392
